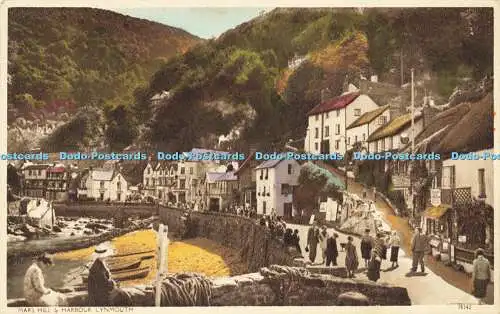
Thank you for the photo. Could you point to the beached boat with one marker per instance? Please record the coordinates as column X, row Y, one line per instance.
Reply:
column 125, row 266
column 124, row 275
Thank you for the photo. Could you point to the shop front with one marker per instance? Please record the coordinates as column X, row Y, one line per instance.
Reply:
column 437, row 224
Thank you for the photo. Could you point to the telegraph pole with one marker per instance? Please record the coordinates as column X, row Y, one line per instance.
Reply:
column 412, row 137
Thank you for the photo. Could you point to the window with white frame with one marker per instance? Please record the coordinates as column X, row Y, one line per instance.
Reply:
column 382, row 120
column 316, row 133
column 337, row 129
column 357, row 112
column 327, row 131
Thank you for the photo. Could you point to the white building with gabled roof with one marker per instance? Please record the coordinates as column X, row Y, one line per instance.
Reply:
column 276, row 180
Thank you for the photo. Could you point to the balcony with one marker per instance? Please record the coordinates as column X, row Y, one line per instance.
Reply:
column 401, row 181
column 456, row 196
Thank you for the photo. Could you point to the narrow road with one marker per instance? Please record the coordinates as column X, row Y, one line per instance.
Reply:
column 423, row 290
column 401, row 225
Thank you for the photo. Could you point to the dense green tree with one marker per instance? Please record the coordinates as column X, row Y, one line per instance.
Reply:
column 121, row 128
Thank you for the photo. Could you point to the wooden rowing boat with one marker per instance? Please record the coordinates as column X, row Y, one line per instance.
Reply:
column 124, row 275
column 125, row 266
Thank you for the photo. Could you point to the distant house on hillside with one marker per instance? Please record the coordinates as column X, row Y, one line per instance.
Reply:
column 327, row 122
column 157, row 98
column 275, row 183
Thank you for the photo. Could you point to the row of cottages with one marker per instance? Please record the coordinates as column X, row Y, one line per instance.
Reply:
column 275, row 182
column 49, row 181
column 455, row 198
column 329, row 122
column 103, row 184
column 179, row 181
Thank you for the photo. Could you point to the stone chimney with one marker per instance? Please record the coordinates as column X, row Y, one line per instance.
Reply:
column 428, row 114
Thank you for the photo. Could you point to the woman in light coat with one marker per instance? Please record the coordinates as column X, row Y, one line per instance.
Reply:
column 35, row 292
column 323, row 238
column 394, row 243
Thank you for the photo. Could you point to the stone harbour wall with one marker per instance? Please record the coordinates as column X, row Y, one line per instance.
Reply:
column 255, row 243
column 256, row 290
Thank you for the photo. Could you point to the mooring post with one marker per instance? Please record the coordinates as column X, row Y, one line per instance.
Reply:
column 162, row 253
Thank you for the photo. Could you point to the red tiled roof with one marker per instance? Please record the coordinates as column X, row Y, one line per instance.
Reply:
column 334, row 103
column 56, row 169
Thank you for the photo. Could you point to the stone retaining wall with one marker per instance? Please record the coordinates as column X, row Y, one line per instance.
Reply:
column 103, row 210
column 254, row 242
column 256, row 290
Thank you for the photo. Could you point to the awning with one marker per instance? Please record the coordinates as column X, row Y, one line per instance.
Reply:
column 336, row 180
column 436, row 212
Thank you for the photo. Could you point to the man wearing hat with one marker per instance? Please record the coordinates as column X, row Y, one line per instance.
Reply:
column 419, row 245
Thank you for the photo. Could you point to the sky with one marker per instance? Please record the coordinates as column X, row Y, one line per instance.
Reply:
column 202, row 22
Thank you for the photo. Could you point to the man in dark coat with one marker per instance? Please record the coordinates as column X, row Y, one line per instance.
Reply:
column 100, row 284
column 312, row 241
column 332, row 250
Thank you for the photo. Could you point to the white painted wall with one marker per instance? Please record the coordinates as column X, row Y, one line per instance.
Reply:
column 341, row 117
column 276, row 177
column 466, row 175
column 394, row 142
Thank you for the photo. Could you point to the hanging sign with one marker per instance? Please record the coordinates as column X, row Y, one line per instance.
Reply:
column 435, row 197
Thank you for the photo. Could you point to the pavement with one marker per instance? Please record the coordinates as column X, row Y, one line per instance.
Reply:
column 454, row 278
column 423, row 289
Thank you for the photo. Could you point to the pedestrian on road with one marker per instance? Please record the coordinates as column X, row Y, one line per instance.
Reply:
column 374, row 265
column 296, row 240
column 364, row 193
column 481, row 276
column 380, row 246
column 374, row 193
column 323, row 237
column 331, row 250
column 394, row 243
column 419, row 245
column 312, row 241
column 366, row 247
column 351, row 258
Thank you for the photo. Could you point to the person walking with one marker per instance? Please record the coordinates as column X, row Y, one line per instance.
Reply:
column 331, row 250
column 323, row 237
column 296, row 240
column 35, row 292
column 481, row 276
column 394, row 243
column 374, row 265
column 312, row 241
column 351, row 257
column 419, row 245
column 366, row 247
column 380, row 246
column 364, row 193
